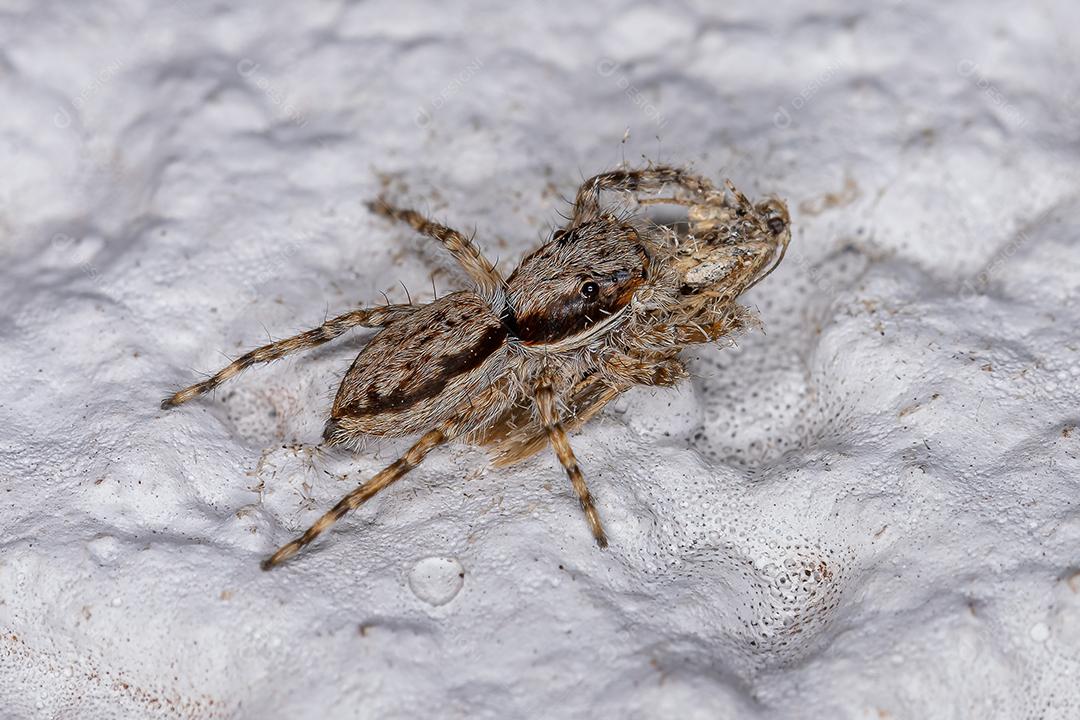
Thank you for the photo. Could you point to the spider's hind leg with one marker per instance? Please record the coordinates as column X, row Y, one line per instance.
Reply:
column 368, row 317
column 459, row 425
column 393, row 472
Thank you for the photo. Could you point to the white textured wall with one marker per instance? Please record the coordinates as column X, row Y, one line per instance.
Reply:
column 871, row 511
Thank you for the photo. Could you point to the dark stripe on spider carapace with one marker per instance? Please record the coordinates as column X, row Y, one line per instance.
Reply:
column 450, row 366
column 568, row 318
column 573, row 314
column 509, row 321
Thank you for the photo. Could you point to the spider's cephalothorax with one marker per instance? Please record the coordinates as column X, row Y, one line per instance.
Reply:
column 606, row 304
column 581, row 285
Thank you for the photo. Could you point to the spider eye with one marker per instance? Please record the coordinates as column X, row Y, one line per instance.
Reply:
column 590, row 290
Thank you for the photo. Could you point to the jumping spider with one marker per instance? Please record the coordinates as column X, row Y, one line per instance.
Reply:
column 516, row 363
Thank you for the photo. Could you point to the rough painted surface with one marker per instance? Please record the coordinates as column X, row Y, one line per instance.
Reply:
column 873, row 511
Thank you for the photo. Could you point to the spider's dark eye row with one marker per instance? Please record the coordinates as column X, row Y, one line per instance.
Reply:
column 590, row 290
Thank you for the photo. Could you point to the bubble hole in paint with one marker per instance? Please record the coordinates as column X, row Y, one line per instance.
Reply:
column 437, row 580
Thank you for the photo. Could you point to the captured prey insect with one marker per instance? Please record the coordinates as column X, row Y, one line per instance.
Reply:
column 516, row 363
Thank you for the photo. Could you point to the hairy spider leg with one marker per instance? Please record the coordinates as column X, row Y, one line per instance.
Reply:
column 367, row 317
column 395, row 471
column 479, row 269
column 549, row 416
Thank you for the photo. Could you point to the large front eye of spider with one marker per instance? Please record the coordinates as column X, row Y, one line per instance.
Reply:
column 590, row 291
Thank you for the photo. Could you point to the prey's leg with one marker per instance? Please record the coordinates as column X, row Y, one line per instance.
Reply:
column 653, row 179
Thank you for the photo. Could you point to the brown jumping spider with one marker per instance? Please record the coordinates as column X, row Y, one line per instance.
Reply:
column 513, row 364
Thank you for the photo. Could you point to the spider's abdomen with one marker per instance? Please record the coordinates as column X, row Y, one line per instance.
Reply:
column 418, row 370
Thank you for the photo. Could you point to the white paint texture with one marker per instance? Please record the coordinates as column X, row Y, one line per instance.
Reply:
column 871, row 511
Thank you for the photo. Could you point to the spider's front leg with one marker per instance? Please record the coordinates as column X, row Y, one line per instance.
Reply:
column 584, row 401
column 556, row 433
column 708, row 323
column 367, row 317
column 479, row 269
